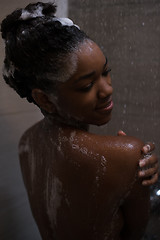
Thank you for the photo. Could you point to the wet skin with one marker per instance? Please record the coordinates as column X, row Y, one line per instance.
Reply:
column 81, row 185
column 87, row 95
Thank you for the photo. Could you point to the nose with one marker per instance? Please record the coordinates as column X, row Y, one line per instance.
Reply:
column 105, row 89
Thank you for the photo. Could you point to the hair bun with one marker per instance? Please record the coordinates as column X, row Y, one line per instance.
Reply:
column 10, row 21
column 38, row 9
column 31, row 11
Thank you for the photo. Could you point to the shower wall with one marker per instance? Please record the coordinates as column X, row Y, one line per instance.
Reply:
column 128, row 32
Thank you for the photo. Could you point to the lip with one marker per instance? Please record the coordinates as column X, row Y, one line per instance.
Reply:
column 106, row 107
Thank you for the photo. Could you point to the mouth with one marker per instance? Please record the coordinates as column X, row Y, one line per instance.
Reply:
column 107, row 107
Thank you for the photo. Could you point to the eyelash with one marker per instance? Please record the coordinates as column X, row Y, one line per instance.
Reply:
column 106, row 71
column 87, row 88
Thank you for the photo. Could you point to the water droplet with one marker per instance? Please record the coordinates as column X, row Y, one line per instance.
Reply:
column 59, row 148
column 74, row 146
column 97, row 181
column 84, row 150
column 103, row 161
column 158, row 193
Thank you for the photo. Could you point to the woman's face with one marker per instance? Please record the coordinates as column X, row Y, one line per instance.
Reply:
column 87, row 95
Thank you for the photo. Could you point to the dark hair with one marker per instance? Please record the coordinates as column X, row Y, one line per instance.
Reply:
column 36, row 47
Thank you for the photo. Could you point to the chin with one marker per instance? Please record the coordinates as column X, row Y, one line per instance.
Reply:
column 103, row 121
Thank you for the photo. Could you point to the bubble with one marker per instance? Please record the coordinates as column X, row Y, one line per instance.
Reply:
column 64, row 139
column 97, row 181
column 23, row 32
column 103, row 161
column 73, row 134
column 158, row 193
column 84, row 150
column 59, row 148
column 97, row 178
column 75, row 146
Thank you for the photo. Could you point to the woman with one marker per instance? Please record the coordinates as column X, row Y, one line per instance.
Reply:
column 80, row 185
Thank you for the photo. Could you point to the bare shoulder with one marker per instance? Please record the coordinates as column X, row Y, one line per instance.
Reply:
column 29, row 134
column 111, row 156
column 99, row 164
column 121, row 144
column 121, row 148
column 125, row 149
column 28, row 143
column 122, row 156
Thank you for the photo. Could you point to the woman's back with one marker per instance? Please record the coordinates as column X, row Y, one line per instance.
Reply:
column 81, row 185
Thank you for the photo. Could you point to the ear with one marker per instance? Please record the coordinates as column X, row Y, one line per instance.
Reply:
column 43, row 101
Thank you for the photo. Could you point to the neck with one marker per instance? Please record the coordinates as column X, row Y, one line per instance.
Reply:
column 58, row 120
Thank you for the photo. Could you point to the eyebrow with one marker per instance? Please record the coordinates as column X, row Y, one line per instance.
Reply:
column 86, row 76
column 90, row 74
column 105, row 63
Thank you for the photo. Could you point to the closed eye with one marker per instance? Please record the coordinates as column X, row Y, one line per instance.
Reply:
column 90, row 85
column 106, row 71
column 87, row 88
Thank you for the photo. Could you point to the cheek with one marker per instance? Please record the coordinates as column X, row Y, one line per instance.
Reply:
column 77, row 103
column 109, row 80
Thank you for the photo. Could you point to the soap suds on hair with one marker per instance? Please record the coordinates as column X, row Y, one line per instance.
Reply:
column 10, row 71
column 28, row 15
column 66, row 22
column 65, row 69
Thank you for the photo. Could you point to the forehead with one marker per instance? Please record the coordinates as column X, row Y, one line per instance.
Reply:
column 89, row 50
column 89, row 58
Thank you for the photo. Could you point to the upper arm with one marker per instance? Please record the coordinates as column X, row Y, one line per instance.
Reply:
column 136, row 212
column 135, row 208
column 125, row 155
